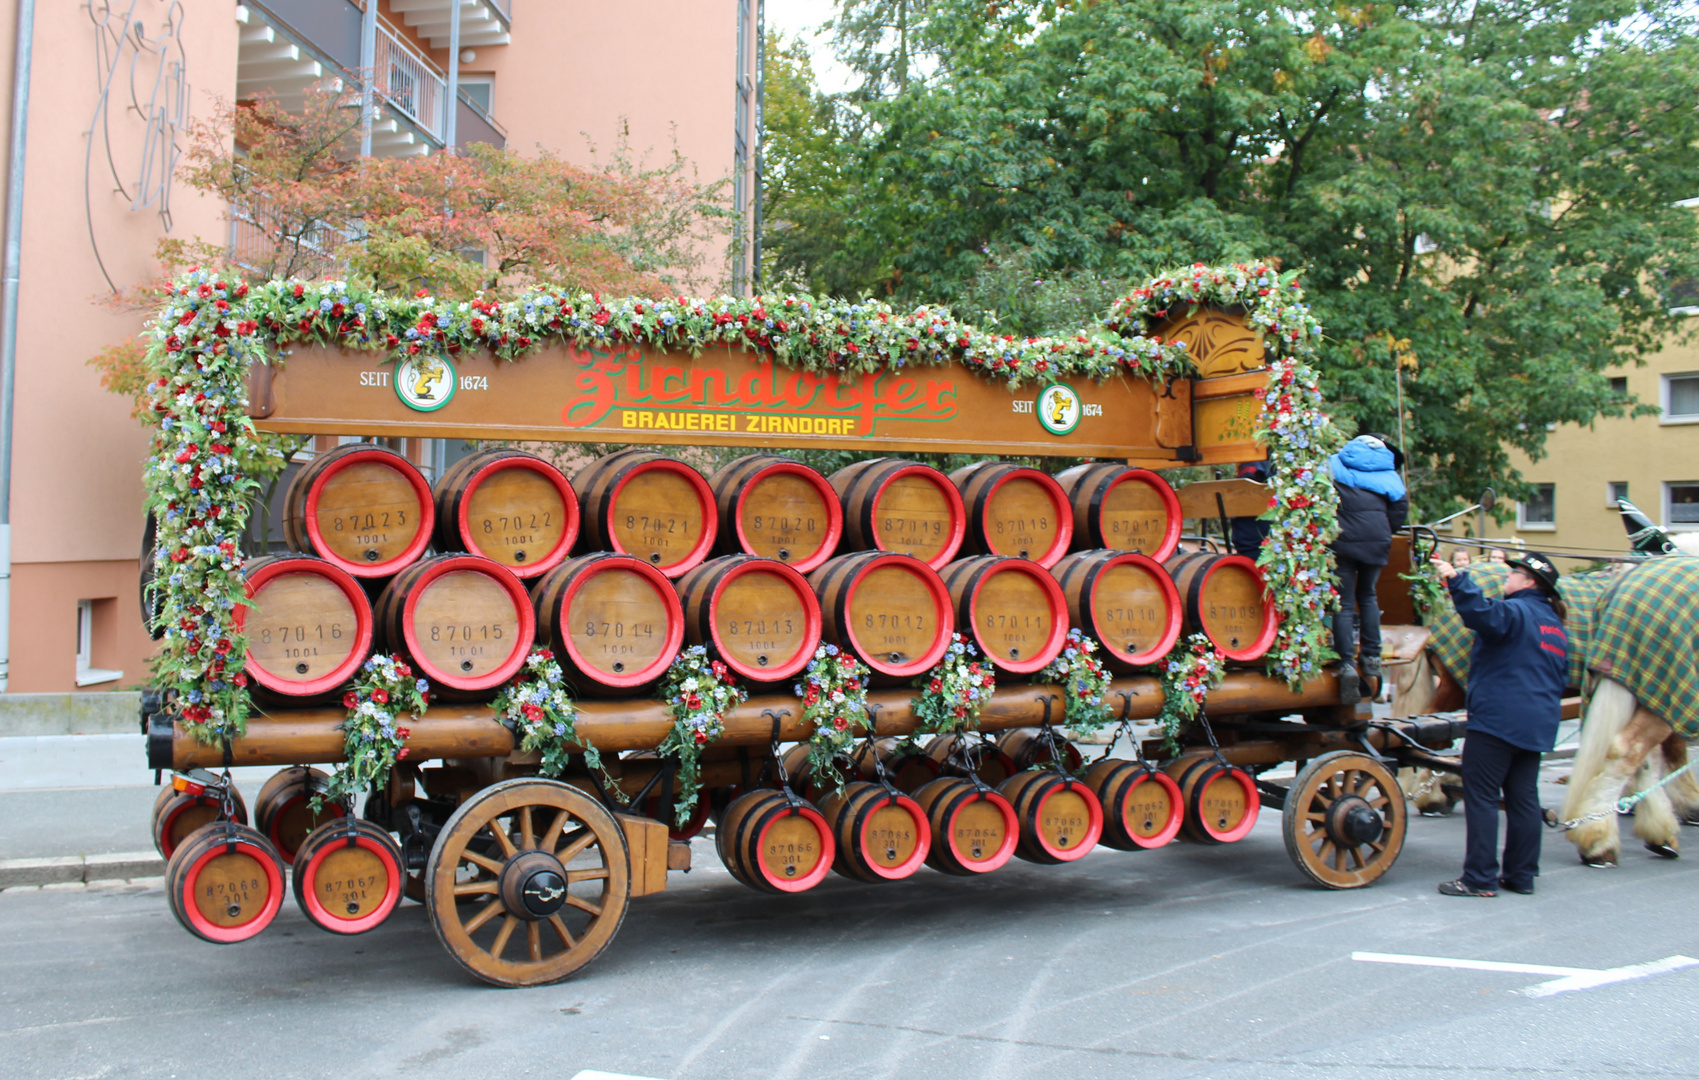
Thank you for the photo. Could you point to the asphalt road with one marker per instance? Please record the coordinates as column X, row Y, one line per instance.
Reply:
column 1186, row 962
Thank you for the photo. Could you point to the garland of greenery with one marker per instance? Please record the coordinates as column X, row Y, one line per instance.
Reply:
column 536, row 703
column 954, row 691
column 698, row 692
column 1084, row 682
column 373, row 740
column 834, row 699
column 1189, row 674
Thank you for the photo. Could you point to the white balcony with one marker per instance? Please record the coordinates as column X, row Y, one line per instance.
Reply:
column 482, row 22
column 410, row 84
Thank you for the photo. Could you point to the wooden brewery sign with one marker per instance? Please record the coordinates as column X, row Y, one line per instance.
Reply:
column 734, row 397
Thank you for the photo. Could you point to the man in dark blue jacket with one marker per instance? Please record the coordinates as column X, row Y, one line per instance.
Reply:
column 1517, row 672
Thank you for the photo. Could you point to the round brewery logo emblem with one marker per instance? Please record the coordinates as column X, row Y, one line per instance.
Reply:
column 1059, row 408
column 424, row 382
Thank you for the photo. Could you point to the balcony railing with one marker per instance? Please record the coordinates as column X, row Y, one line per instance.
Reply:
column 263, row 241
column 410, row 83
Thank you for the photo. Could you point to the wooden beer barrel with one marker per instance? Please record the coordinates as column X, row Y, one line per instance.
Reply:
column 907, row 767
column 1012, row 608
column 613, row 621
column 1014, row 511
column 284, row 812
column 224, row 883
column 463, row 622
column 974, row 830
column 880, row 834
column 655, row 508
column 348, row 876
column 1059, row 817
column 901, row 506
column 1224, row 598
column 991, row 764
column 1029, row 749
column 176, row 814
column 510, row 506
column 892, row 611
column 362, row 506
column 1142, row 808
column 774, row 845
column 757, row 615
column 1123, row 508
column 777, row 508
column 309, row 626
column 1221, row 802
column 1124, row 601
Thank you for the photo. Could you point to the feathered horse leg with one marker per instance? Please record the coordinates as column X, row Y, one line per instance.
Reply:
column 1655, row 822
column 1616, row 736
column 1684, row 789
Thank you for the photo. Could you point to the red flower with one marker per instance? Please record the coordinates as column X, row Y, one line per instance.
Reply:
column 401, row 753
column 532, row 712
column 839, row 723
column 381, row 696
column 693, row 702
column 350, row 700
column 299, row 291
column 403, row 733
column 937, row 685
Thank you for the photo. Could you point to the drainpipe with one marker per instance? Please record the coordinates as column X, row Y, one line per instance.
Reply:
column 368, row 74
column 9, row 314
column 449, row 134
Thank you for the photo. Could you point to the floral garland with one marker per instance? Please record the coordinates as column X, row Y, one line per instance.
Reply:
column 1303, row 506
column 536, row 703
column 834, row 699
column 699, row 692
column 1189, row 674
column 372, row 739
column 954, row 691
column 1084, row 682
column 1426, row 592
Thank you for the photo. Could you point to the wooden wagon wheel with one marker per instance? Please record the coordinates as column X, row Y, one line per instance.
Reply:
column 1344, row 820
column 528, row 882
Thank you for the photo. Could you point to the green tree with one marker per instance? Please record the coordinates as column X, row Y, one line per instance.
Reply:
column 1483, row 191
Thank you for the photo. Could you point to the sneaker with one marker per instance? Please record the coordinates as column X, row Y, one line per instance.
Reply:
column 1455, row 887
column 1525, row 890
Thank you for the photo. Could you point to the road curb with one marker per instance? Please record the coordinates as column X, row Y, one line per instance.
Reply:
column 80, row 868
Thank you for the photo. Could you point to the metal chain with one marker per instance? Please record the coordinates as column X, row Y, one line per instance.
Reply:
column 1624, row 805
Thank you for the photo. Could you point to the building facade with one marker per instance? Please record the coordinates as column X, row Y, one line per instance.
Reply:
column 101, row 96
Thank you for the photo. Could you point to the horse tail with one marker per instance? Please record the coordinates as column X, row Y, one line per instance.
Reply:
column 1609, row 709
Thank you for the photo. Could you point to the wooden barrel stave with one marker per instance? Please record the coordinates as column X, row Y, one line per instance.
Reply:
column 1060, row 819
column 758, row 616
column 776, row 508
column 1124, row 601
column 1221, row 801
column 774, row 845
column 974, row 829
column 224, row 884
column 652, row 507
column 613, row 621
column 463, row 622
column 991, row 764
column 907, row 767
column 1142, row 807
column 1028, row 748
column 510, row 506
column 349, row 876
column 309, row 627
column 901, row 506
column 1013, row 609
column 1014, row 511
column 363, row 507
column 283, row 810
column 891, row 610
column 177, row 814
column 880, row 834
column 1225, row 599
column 1123, row 508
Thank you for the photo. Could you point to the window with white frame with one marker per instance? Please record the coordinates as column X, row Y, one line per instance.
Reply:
column 1681, row 504
column 1681, row 397
column 1539, row 511
column 87, row 673
column 1614, row 490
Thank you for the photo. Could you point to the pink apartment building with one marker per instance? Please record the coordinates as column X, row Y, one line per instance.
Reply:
column 99, row 94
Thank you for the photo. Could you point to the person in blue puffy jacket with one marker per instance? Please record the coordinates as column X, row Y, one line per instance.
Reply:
column 1372, row 506
column 1518, row 669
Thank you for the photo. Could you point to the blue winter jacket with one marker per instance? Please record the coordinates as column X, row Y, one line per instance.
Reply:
column 1518, row 667
column 1372, row 500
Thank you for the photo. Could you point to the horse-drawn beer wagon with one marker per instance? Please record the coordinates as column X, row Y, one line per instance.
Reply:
column 543, row 679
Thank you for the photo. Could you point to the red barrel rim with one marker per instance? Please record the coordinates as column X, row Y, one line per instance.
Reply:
column 273, row 826
column 1270, row 618
column 1176, row 621
column 958, row 511
column 828, row 495
column 675, row 621
column 811, row 614
column 1064, row 509
column 527, row 619
column 941, row 601
column 336, row 924
column 1170, row 502
column 554, row 476
column 1176, row 816
column 350, row 588
column 704, row 496
column 1094, row 822
column 1011, row 832
column 1058, row 638
column 828, row 851
column 167, row 847
column 1253, row 804
column 917, row 858
column 227, row 935
column 427, row 513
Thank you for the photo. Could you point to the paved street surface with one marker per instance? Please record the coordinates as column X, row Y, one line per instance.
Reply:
column 1186, row 962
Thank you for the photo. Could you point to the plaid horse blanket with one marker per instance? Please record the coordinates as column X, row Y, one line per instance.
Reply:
column 1451, row 640
column 1645, row 635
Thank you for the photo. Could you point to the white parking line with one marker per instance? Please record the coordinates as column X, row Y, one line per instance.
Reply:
column 1568, row 978
column 593, row 1074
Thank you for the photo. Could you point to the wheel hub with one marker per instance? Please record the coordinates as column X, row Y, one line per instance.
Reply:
column 533, row 885
column 1352, row 821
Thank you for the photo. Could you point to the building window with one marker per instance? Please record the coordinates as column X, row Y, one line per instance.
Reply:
column 1614, row 490
column 1681, row 504
column 1619, row 387
column 1681, row 397
column 87, row 673
column 1540, row 510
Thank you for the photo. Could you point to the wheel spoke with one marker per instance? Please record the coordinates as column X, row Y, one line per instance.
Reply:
column 1315, row 815
column 1313, row 835
column 499, row 945
column 579, row 842
column 1325, row 854
column 1339, row 859
column 476, row 859
column 478, row 888
column 584, row 905
column 1357, row 781
column 1357, row 856
column 551, row 837
column 565, row 935
column 1377, row 847
column 534, row 942
column 527, row 836
column 599, row 873
column 491, row 910
column 506, row 841
column 1381, row 803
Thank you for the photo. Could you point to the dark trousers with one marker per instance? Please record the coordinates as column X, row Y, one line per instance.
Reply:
column 1357, row 592
column 1492, row 767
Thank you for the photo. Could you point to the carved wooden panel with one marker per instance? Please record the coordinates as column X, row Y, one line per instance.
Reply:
column 1221, row 342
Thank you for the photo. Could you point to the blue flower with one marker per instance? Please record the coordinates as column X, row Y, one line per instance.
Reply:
column 422, row 686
